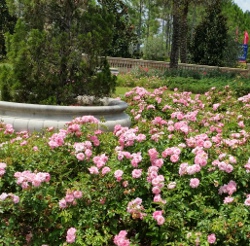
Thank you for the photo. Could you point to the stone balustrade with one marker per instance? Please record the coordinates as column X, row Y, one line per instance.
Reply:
column 125, row 65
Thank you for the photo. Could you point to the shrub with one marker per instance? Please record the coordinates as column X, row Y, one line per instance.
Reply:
column 184, row 81
column 178, row 176
column 155, row 49
column 210, row 37
column 5, row 81
column 54, row 51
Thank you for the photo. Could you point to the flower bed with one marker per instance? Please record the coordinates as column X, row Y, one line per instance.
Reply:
column 178, row 176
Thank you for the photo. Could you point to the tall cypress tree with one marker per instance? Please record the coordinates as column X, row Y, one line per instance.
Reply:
column 7, row 23
column 210, row 38
column 124, row 35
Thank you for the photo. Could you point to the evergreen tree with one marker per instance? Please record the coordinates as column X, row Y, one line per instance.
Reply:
column 124, row 35
column 210, row 38
column 47, row 50
column 7, row 23
column 181, row 30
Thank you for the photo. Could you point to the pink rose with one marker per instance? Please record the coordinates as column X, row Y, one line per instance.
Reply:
column 228, row 199
column 157, row 215
column 3, row 196
column 15, row 198
column 62, row 203
column 120, row 239
column 156, row 190
column 125, row 184
column 171, row 185
column 35, row 148
column 77, row 194
column 158, row 162
column 194, row 183
column 215, row 106
column 93, row 170
column 211, row 238
column 69, row 198
column 105, row 170
column 3, row 165
column 136, row 173
column 207, row 144
column 160, row 220
column 118, row 175
column 247, row 201
column 80, row 156
column 71, row 237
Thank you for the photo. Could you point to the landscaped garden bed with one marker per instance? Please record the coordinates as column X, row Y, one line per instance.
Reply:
column 197, row 82
column 178, row 176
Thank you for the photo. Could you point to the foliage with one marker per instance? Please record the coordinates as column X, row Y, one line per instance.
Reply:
column 186, row 80
column 237, row 20
column 210, row 37
column 5, row 81
column 231, row 52
column 155, row 49
column 124, row 35
column 178, row 176
column 7, row 23
column 47, row 49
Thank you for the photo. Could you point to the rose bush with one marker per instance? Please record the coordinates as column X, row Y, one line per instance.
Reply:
column 178, row 176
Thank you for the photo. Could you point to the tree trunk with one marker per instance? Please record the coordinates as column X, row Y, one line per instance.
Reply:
column 184, row 32
column 168, row 33
column 139, row 27
column 174, row 56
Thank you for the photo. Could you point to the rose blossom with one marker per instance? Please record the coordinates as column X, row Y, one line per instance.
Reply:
column 69, row 197
column 194, row 183
column 156, row 190
column 62, row 203
column 35, row 148
column 77, row 194
column 157, row 198
column 93, row 170
column 105, row 170
column 15, row 198
column 120, row 239
column 211, row 238
column 183, row 169
column 71, row 237
column 157, row 162
column 125, row 184
column 174, row 158
column 118, row 175
column 228, row 199
column 80, row 156
column 3, row 196
column 171, row 185
column 247, row 201
column 207, row 144
column 193, row 169
column 136, row 173
column 157, row 215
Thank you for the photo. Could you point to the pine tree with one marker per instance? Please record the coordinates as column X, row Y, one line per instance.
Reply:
column 47, row 50
column 124, row 35
column 7, row 23
column 210, row 38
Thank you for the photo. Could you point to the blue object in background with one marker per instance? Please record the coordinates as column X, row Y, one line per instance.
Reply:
column 243, row 53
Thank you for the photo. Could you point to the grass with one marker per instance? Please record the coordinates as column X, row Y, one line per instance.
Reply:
column 120, row 91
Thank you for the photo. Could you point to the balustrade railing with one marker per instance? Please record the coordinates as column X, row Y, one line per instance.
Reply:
column 125, row 65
